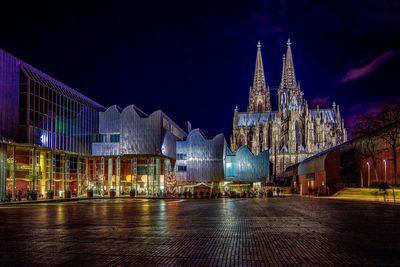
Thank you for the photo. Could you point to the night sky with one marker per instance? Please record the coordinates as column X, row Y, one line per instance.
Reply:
column 195, row 59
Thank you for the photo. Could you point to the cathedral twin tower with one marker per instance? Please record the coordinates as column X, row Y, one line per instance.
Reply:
column 291, row 133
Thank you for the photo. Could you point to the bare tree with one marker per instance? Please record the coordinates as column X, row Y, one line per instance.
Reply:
column 366, row 129
column 389, row 122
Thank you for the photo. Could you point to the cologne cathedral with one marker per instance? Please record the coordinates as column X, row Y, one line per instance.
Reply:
column 291, row 133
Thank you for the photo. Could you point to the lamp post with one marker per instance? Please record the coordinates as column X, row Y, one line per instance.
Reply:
column 369, row 173
column 385, row 164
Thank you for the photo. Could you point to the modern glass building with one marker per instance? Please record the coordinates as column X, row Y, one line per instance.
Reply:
column 56, row 141
column 46, row 128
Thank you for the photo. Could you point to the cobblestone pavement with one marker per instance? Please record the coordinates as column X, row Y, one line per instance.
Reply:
column 289, row 231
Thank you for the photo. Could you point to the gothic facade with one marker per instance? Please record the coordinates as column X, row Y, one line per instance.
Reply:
column 291, row 133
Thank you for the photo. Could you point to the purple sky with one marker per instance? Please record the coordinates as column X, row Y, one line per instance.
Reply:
column 195, row 61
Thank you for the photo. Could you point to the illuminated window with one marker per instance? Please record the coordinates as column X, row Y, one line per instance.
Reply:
column 182, row 168
column 114, row 138
column 181, row 156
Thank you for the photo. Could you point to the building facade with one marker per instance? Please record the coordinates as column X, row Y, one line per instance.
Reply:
column 293, row 131
column 46, row 130
column 56, row 142
column 135, row 151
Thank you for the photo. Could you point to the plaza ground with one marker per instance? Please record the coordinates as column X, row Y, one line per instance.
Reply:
column 287, row 231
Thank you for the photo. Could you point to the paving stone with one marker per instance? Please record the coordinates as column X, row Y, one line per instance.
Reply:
column 288, row 231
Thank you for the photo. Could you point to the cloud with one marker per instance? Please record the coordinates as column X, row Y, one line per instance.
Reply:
column 321, row 101
column 359, row 73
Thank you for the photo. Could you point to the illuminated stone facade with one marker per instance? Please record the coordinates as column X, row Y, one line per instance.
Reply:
column 291, row 133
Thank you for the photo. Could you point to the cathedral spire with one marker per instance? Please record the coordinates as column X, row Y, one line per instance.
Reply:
column 282, row 87
column 290, row 77
column 260, row 93
column 259, row 77
column 283, row 83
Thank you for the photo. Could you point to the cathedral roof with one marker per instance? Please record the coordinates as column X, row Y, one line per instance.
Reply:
column 251, row 119
column 326, row 114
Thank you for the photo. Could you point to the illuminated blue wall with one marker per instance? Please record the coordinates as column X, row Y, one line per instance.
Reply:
column 244, row 166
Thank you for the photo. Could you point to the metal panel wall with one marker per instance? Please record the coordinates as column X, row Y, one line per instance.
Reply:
column 140, row 136
column 109, row 121
column 204, row 158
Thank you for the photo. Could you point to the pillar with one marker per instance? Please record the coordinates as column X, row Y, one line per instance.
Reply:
column 157, row 175
column 118, row 176
column 34, row 171
column 3, row 171
column 135, row 173
column 12, row 172
column 79, row 170
column 43, row 174
column 102, row 176
column 110, row 174
column 50, row 161
column 66, row 173
column 150, row 176
column 167, row 170
column 131, row 175
column 87, row 167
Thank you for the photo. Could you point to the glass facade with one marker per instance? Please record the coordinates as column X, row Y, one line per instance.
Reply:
column 55, row 116
column 9, row 86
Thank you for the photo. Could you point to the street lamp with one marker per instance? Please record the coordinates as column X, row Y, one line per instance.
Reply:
column 384, row 163
column 369, row 174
